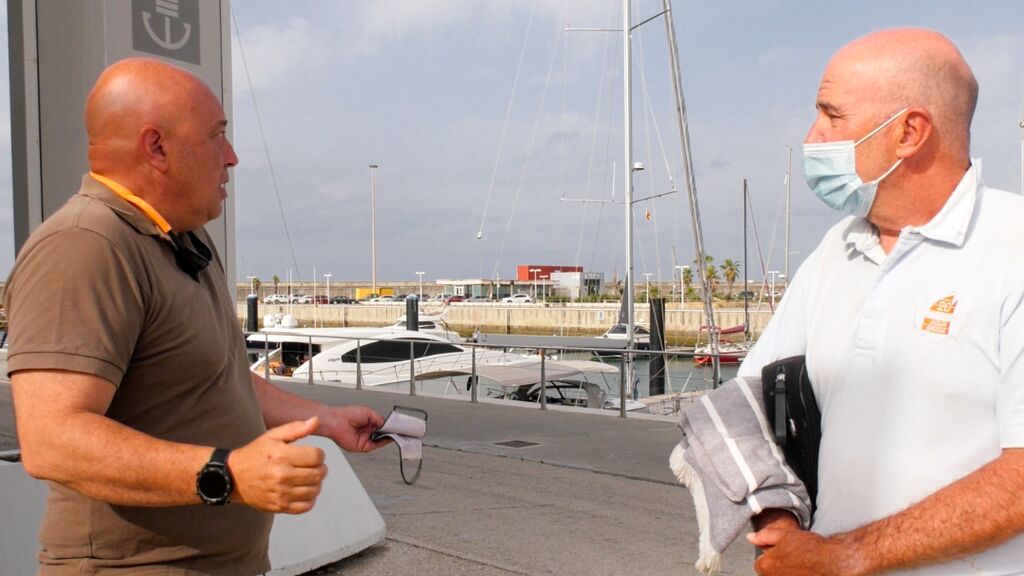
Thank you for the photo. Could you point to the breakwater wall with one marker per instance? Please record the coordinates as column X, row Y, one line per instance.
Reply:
column 681, row 326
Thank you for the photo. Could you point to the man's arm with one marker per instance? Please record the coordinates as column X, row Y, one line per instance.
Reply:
column 977, row 512
column 66, row 438
column 348, row 426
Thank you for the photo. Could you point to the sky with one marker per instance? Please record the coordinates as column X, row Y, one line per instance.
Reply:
column 485, row 115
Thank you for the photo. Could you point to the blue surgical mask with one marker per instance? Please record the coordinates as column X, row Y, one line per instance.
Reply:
column 830, row 169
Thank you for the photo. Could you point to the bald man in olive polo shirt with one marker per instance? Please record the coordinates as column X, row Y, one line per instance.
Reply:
column 131, row 389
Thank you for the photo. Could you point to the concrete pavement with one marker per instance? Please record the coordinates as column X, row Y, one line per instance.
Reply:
column 586, row 494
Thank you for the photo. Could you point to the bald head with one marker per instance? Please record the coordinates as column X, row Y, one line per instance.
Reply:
column 130, row 95
column 161, row 132
column 908, row 67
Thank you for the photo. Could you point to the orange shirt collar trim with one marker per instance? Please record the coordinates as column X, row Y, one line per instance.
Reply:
column 139, row 203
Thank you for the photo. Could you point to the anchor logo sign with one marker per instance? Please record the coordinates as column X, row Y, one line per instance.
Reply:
column 169, row 9
column 168, row 28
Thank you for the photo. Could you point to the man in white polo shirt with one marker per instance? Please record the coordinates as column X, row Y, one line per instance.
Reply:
column 911, row 315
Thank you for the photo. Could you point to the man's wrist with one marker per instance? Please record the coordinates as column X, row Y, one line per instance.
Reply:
column 214, row 483
column 774, row 517
column 854, row 556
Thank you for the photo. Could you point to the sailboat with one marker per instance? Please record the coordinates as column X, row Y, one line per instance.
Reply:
column 618, row 331
column 730, row 352
column 627, row 312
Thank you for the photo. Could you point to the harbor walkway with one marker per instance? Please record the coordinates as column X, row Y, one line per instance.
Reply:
column 584, row 494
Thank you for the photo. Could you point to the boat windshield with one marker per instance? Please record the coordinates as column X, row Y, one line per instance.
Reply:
column 398, row 350
column 424, row 324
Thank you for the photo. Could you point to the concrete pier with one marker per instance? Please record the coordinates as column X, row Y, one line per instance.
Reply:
column 681, row 326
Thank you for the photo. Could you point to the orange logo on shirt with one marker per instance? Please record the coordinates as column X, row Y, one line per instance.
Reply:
column 935, row 326
column 945, row 305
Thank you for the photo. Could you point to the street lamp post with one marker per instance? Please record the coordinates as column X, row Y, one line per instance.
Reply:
column 682, row 287
column 420, row 274
column 252, row 289
column 771, row 286
column 373, row 228
column 534, row 272
column 328, row 275
column 647, row 279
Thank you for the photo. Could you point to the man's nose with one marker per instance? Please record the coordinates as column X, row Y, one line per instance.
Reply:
column 230, row 158
column 815, row 134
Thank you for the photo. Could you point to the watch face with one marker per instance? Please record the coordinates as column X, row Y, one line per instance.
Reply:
column 213, row 484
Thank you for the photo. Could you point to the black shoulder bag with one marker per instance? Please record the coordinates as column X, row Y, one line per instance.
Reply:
column 794, row 418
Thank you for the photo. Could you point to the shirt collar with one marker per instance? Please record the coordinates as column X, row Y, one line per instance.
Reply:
column 134, row 210
column 949, row 225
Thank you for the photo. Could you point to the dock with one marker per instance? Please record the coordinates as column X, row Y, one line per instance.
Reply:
column 508, row 489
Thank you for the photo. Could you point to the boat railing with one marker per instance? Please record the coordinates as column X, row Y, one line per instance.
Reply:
column 627, row 390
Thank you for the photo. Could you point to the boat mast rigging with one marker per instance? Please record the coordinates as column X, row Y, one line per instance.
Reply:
column 691, row 188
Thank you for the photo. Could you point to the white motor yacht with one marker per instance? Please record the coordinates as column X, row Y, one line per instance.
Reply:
column 385, row 357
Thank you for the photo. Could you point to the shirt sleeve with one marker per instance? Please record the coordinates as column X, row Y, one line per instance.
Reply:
column 1010, row 388
column 74, row 303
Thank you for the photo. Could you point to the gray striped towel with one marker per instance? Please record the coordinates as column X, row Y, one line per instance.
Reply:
column 733, row 469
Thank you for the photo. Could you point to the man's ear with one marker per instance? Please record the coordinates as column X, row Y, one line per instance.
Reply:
column 916, row 131
column 151, row 146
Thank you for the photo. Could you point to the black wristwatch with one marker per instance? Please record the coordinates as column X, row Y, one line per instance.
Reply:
column 213, row 482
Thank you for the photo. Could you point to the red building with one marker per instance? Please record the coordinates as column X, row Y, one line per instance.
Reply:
column 523, row 273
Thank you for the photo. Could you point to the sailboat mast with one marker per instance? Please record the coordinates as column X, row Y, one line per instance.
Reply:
column 746, row 293
column 627, row 106
column 691, row 188
column 789, row 190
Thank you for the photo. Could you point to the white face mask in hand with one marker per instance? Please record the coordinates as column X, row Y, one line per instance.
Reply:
column 407, row 427
column 830, row 169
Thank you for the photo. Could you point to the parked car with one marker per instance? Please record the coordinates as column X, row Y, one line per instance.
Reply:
column 479, row 299
column 453, row 299
column 343, row 300
column 745, row 293
column 275, row 299
column 520, row 298
column 320, row 299
column 296, row 298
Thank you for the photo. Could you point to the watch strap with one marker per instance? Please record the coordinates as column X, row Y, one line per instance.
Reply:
column 220, row 456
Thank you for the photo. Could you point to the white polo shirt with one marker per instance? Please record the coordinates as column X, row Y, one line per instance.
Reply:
column 915, row 358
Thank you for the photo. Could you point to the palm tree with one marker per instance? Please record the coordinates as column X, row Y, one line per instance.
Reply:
column 276, row 281
column 713, row 279
column 687, row 281
column 711, row 271
column 730, row 270
column 256, row 285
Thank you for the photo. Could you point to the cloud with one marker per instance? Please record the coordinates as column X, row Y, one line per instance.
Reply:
column 274, row 55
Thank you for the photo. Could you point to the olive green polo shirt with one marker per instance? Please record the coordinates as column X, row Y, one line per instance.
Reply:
column 97, row 290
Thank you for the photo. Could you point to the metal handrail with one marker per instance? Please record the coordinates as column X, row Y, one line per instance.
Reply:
column 472, row 349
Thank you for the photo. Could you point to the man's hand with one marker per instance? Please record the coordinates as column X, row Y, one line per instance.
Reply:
column 274, row 475
column 790, row 551
column 351, row 426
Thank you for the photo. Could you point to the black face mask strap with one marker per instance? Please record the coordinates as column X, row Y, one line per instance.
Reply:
column 191, row 260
